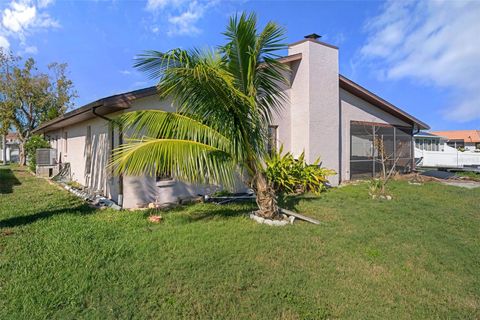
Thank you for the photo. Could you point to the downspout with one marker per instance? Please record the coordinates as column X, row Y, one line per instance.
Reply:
column 120, row 141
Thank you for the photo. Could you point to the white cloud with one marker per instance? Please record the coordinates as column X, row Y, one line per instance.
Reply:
column 434, row 42
column 44, row 3
column 184, row 23
column 18, row 17
column 21, row 18
column 125, row 72
column 31, row 50
column 161, row 4
column 182, row 15
column 4, row 43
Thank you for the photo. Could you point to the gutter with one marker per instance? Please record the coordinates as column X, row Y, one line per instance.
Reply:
column 120, row 141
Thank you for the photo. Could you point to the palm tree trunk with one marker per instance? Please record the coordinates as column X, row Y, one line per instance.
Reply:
column 266, row 197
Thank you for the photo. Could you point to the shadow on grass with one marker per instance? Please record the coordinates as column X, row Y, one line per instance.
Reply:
column 203, row 212
column 7, row 180
column 29, row 219
column 291, row 202
column 223, row 212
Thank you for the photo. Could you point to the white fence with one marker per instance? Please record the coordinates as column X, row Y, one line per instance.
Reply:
column 449, row 158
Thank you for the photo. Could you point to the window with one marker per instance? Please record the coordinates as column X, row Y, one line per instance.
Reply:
column 403, row 137
column 272, row 139
column 361, row 146
column 477, row 145
column 361, row 151
column 88, row 150
column 456, row 144
column 163, row 177
column 164, row 180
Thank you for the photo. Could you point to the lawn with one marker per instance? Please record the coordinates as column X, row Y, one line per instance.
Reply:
column 417, row 256
column 469, row 174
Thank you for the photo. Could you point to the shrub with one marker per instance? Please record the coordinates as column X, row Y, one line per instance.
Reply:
column 290, row 175
column 31, row 146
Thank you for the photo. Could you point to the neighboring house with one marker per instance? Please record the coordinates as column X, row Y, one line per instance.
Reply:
column 429, row 142
column 433, row 150
column 464, row 139
column 327, row 116
column 12, row 147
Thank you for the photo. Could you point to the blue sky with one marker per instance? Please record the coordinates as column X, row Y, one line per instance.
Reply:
column 421, row 56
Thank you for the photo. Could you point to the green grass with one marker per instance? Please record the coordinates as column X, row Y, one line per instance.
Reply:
column 417, row 256
column 469, row 174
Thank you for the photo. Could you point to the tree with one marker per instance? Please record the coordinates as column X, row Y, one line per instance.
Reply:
column 33, row 97
column 388, row 163
column 7, row 63
column 225, row 99
column 35, row 142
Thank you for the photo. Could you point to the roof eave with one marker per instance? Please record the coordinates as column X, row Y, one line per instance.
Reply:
column 110, row 104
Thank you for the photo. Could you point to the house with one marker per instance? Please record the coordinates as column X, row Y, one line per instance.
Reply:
column 429, row 142
column 435, row 151
column 327, row 115
column 463, row 139
column 12, row 148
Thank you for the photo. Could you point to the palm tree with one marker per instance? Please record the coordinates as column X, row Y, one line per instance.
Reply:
column 225, row 99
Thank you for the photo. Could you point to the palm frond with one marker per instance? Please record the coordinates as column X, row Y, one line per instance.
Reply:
column 241, row 34
column 228, row 94
column 186, row 160
column 171, row 125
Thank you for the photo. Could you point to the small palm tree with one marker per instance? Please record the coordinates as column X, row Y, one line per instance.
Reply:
column 225, row 99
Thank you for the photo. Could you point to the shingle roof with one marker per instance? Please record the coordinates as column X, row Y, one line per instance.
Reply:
column 465, row 135
column 12, row 136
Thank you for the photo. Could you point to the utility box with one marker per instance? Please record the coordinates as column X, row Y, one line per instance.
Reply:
column 46, row 157
column 47, row 165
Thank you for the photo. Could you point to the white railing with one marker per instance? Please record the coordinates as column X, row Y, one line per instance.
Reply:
column 449, row 158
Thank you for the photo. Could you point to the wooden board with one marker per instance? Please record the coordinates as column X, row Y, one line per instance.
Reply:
column 299, row 216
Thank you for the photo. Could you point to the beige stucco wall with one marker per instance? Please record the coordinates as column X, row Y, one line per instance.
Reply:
column 137, row 191
column 314, row 108
column 73, row 150
column 355, row 109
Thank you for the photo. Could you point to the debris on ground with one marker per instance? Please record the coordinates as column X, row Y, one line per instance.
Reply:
column 155, row 219
column 271, row 222
column 298, row 216
column 95, row 201
column 439, row 174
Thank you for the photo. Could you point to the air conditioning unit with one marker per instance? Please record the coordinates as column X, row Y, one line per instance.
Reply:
column 46, row 157
column 47, row 165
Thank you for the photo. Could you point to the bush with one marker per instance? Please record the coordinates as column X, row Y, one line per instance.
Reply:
column 31, row 146
column 290, row 175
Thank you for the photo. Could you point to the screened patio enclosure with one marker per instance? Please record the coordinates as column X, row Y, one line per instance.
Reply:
column 365, row 161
